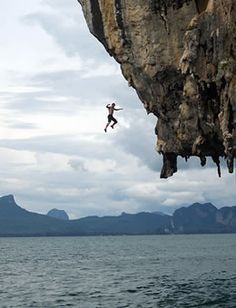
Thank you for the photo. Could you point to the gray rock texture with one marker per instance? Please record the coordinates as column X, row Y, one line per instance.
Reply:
column 179, row 56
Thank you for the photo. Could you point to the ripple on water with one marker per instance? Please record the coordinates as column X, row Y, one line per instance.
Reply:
column 107, row 272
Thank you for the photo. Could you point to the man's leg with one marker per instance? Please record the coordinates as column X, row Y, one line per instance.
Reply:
column 105, row 129
column 114, row 122
column 108, row 123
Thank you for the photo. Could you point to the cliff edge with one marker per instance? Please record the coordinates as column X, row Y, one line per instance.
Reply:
column 180, row 57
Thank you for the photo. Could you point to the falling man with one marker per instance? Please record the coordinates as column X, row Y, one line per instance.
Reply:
column 111, row 108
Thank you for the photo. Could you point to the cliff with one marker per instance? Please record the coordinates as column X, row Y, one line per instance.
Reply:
column 204, row 218
column 179, row 56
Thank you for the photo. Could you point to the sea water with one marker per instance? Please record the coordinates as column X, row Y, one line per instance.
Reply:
column 119, row 271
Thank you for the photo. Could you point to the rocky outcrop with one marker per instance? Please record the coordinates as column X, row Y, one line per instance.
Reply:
column 204, row 218
column 179, row 55
column 58, row 214
column 226, row 216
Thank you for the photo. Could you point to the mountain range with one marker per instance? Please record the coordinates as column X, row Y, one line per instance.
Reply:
column 196, row 218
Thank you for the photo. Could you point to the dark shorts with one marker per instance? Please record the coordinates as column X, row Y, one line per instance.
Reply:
column 111, row 118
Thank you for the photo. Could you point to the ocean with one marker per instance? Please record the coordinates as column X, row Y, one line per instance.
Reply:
column 119, row 271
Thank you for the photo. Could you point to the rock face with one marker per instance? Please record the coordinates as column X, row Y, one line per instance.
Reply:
column 204, row 218
column 179, row 55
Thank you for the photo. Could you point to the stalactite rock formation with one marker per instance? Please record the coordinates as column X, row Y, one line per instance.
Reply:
column 180, row 57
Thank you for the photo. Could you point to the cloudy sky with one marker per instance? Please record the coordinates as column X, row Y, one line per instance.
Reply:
column 55, row 79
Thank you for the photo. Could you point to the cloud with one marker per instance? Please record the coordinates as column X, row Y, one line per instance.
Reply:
column 21, row 125
column 63, row 23
column 56, row 80
column 93, row 165
column 21, row 90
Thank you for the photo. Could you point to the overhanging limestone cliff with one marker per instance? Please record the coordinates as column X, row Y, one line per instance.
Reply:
column 180, row 56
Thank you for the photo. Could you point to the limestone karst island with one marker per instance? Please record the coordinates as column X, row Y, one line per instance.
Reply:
column 179, row 56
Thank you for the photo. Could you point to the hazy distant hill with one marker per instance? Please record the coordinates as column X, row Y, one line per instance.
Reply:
column 15, row 220
column 141, row 223
column 204, row 218
column 59, row 214
column 197, row 218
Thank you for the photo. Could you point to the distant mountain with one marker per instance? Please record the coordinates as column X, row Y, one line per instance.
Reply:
column 204, row 218
column 59, row 214
column 158, row 213
column 140, row 223
column 197, row 218
column 15, row 220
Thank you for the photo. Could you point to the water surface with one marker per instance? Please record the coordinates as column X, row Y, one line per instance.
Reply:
column 120, row 271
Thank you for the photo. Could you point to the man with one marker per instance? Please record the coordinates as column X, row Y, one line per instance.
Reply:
column 111, row 108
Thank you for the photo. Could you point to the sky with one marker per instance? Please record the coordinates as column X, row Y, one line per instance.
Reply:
column 55, row 81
